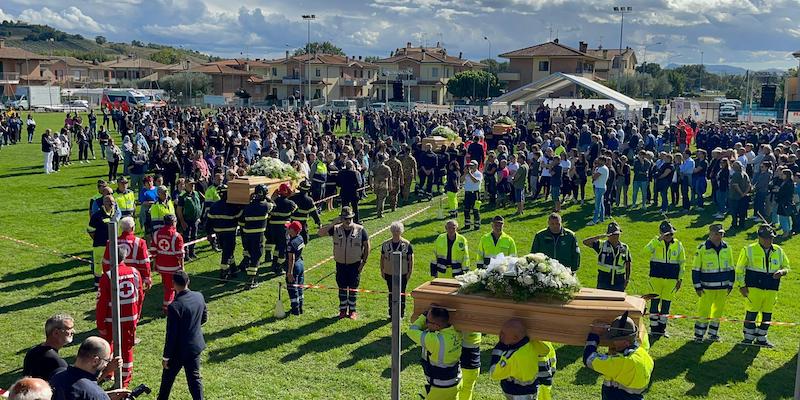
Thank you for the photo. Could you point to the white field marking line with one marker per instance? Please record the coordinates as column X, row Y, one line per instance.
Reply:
column 384, row 229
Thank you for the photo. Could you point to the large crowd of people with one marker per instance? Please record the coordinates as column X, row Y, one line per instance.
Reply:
column 172, row 166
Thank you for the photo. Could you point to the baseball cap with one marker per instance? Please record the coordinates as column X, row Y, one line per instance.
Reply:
column 666, row 228
column 498, row 218
column 716, row 228
column 294, row 225
column 613, row 229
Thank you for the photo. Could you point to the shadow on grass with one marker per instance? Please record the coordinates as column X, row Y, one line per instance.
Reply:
column 373, row 350
column 48, row 270
column 680, row 360
column 69, row 211
column 76, row 288
column 18, row 174
column 774, row 385
column 268, row 342
column 323, row 344
column 723, row 371
column 42, row 282
column 568, row 355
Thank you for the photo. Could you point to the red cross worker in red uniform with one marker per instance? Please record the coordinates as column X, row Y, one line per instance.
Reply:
column 138, row 255
column 131, row 295
column 168, row 251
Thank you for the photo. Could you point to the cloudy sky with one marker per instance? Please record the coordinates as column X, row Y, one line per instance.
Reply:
column 756, row 34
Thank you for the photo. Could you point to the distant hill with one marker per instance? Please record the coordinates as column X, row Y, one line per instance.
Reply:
column 721, row 69
column 37, row 39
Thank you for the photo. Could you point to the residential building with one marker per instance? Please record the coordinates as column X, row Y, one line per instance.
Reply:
column 71, row 72
column 331, row 77
column 18, row 67
column 133, row 68
column 612, row 61
column 226, row 81
column 533, row 63
column 423, row 73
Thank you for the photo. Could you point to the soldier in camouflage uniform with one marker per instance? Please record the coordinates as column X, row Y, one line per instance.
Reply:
column 381, row 178
column 409, row 164
column 397, row 181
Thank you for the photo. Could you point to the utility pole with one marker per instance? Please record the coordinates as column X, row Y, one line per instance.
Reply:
column 488, row 80
column 621, row 10
column 308, row 18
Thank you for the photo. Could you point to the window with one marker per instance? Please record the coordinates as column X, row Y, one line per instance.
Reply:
column 317, row 72
column 434, row 97
column 274, row 71
column 615, row 63
column 435, row 72
column 544, row 65
column 317, row 93
column 275, row 92
column 369, row 74
column 447, row 72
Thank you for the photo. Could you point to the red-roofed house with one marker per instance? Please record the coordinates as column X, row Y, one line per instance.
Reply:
column 332, row 77
column 536, row 62
column 18, row 66
column 430, row 67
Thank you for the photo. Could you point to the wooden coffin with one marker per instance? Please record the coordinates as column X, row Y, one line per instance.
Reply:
column 438, row 141
column 567, row 323
column 501, row 129
column 240, row 189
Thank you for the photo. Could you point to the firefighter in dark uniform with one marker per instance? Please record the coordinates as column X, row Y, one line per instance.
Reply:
column 223, row 219
column 254, row 223
column 276, row 231
column 305, row 208
column 294, row 269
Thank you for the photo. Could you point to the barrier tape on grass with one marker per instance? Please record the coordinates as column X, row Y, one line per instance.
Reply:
column 721, row 319
column 36, row 246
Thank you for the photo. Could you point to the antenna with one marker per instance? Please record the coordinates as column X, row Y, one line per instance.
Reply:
column 550, row 28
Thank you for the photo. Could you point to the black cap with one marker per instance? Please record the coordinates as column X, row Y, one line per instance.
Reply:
column 613, row 229
column 666, row 228
column 766, row 231
column 498, row 218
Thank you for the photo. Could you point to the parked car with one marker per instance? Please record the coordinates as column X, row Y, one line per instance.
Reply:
column 728, row 112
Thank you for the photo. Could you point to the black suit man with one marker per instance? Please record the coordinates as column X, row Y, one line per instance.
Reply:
column 184, row 340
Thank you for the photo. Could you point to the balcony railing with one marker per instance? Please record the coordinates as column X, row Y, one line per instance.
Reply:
column 508, row 76
column 291, row 80
column 9, row 78
column 355, row 82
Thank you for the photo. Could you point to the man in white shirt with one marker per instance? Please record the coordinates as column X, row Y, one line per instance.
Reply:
column 599, row 180
column 472, row 186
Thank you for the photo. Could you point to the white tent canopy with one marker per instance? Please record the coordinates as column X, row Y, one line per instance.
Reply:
column 557, row 81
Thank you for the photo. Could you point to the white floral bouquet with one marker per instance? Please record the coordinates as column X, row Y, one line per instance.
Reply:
column 522, row 278
column 273, row 168
column 444, row 132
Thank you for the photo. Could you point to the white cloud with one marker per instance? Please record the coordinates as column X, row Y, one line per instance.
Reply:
column 70, row 18
column 793, row 32
column 365, row 37
column 4, row 16
column 709, row 40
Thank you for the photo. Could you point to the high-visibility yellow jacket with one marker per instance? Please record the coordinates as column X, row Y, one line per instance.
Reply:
column 488, row 248
column 625, row 374
column 459, row 255
column 713, row 267
column 126, row 202
column 441, row 352
column 755, row 269
column 522, row 367
column 666, row 262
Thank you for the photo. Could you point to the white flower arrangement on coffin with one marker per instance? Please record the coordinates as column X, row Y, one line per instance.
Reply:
column 273, row 168
column 522, row 278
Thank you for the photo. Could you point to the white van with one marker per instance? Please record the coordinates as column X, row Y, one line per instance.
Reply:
column 342, row 106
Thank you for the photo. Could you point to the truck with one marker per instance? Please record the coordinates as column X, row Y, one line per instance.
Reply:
column 31, row 97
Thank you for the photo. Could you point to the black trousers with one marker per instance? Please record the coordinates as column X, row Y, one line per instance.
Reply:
column 253, row 244
column 191, row 366
column 190, row 234
column 347, row 277
column 227, row 241
column 469, row 207
column 353, row 203
column 403, row 283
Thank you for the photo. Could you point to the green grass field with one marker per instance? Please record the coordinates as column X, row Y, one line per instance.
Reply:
column 252, row 355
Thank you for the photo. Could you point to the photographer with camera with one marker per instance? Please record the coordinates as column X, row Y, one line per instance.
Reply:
column 80, row 381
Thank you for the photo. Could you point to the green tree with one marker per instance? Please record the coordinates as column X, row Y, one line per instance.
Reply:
column 178, row 83
column 472, row 84
column 494, row 66
column 101, row 40
column 371, row 59
column 649, row 68
column 137, row 43
column 661, row 87
column 325, row 47
column 166, row 56
column 678, row 82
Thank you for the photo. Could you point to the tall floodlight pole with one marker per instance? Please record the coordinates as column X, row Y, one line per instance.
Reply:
column 487, row 68
column 308, row 18
column 621, row 10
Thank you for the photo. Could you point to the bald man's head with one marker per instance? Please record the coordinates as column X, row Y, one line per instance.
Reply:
column 513, row 331
column 30, row 389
